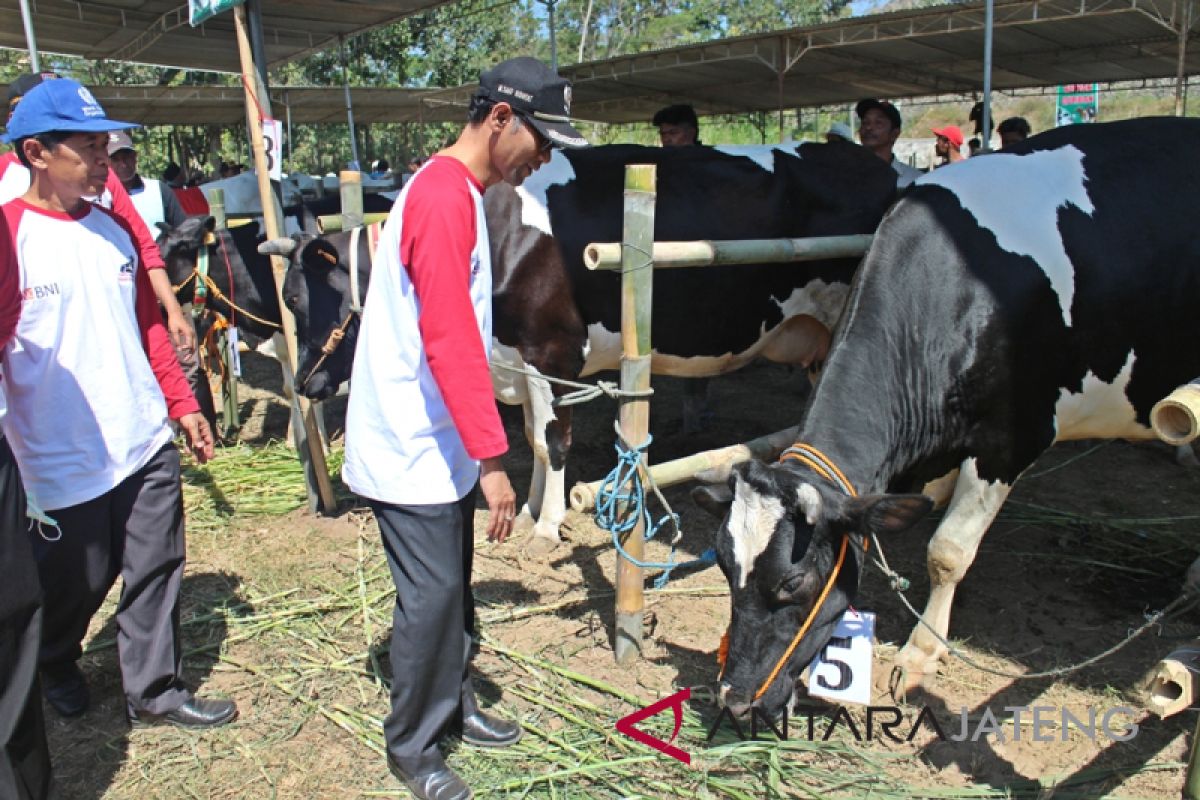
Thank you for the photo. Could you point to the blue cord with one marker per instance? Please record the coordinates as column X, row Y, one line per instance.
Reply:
column 618, row 512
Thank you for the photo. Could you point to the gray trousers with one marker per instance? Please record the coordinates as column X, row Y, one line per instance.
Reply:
column 136, row 531
column 429, row 551
column 24, row 756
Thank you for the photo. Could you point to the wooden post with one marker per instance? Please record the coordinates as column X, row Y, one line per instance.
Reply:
column 304, row 427
column 350, row 187
column 230, row 417
column 637, row 280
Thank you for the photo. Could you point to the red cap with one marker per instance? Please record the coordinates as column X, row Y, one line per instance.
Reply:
column 951, row 132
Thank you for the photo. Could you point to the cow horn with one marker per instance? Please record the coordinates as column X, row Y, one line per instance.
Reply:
column 278, row 247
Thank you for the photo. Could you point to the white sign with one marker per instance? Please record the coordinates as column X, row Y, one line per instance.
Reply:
column 273, row 145
column 842, row 670
column 235, row 358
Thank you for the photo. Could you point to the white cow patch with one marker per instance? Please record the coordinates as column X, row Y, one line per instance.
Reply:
column 817, row 299
column 1024, row 217
column 752, row 521
column 534, row 211
column 759, row 153
column 809, row 500
column 510, row 387
column 1100, row 411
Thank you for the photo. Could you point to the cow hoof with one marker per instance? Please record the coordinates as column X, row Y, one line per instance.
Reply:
column 912, row 669
column 540, row 547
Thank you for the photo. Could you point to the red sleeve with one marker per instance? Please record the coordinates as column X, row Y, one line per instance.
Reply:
column 157, row 344
column 10, row 284
column 435, row 247
column 124, row 208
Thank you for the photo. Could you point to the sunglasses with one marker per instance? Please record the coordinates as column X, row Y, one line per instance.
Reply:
column 543, row 143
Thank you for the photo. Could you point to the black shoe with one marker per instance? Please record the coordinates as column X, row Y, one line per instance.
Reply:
column 442, row 783
column 195, row 713
column 485, row 730
column 65, row 689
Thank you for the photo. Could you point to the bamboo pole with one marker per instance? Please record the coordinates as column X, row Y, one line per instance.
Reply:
column 637, row 274
column 332, row 223
column 231, row 420
column 307, row 437
column 705, row 253
column 681, row 470
column 350, row 187
column 1176, row 418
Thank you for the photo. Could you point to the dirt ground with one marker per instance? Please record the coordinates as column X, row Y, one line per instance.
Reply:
column 289, row 615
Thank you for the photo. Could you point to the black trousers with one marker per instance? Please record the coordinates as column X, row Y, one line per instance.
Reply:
column 429, row 551
column 24, row 757
column 136, row 531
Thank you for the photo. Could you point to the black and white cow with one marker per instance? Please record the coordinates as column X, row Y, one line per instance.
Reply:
column 1008, row 302
column 553, row 317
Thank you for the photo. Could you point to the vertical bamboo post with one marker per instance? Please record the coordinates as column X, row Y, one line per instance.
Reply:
column 637, row 280
column 1191, row 780
column 304, row 427
column 230, row 418
column 350, row 187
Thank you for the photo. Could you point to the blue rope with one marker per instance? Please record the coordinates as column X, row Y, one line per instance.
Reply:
column 619, row 511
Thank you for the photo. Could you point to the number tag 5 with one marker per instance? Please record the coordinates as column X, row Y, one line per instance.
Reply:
column 842, row 670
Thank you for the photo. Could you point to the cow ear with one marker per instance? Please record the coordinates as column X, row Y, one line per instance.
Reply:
column 884, row 513
column 715, row 499
column 319, row 255
column 162, row 226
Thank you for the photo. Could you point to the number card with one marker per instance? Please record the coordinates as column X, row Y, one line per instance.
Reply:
column 235, row 358
column 842, row 670
column 273, row 144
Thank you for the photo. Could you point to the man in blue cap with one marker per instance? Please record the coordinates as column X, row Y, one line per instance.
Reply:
column 92, row 384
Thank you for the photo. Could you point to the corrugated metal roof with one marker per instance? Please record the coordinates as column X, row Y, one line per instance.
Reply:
column 917, row 53
column 158, row 32
column 225, row 105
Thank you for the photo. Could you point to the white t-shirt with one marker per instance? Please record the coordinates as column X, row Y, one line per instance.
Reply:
column 78, row 424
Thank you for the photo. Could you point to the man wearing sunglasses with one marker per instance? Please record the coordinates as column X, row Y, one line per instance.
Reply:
column 423, row 435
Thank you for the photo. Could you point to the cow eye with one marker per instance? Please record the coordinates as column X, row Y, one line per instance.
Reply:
column 790, row 587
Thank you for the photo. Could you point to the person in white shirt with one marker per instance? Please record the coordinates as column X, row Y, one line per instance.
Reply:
column 878, row 130
column 92, row 384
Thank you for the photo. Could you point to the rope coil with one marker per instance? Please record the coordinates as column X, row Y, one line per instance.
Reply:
column 619, row 510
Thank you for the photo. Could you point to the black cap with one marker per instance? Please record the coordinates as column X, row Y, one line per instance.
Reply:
column 681, row 114
column 536, row 93
column 21, row 86
column 884, row 106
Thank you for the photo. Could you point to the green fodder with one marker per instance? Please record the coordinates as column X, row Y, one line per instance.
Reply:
column 245, row 481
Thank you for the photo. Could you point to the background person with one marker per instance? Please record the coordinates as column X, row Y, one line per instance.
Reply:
column 91, row 345
column 677, row 126
column 1013, row 130
column 948, row 145
column 839, row 132
column 422, row 431
column 878, row 130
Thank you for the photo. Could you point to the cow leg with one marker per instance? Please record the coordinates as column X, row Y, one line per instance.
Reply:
column 951, row 551
column 549, row 431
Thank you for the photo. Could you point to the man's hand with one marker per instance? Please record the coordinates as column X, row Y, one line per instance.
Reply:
column 500, row 497
column 199, row 436
column 182, row 334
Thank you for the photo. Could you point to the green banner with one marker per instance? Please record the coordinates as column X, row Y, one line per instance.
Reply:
column 200, row 10
column 1077, row 102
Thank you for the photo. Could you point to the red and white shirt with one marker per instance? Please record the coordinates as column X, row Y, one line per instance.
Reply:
column 90, row 374
column 422, row 413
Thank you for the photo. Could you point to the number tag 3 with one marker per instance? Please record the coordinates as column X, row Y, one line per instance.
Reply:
column 842, row 670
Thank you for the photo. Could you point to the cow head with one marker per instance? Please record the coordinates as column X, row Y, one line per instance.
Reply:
column 317, row 292
column 778, row 544
column 179, row 247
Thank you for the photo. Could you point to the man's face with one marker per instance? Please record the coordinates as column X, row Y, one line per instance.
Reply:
column 77, row 167
column 520, row 150
column 875, row 130
column 124, row 163
column 676, row 134
column 1010, row 138
column 941, row 146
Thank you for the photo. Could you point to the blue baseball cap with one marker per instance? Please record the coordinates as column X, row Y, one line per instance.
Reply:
column 60, row 105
